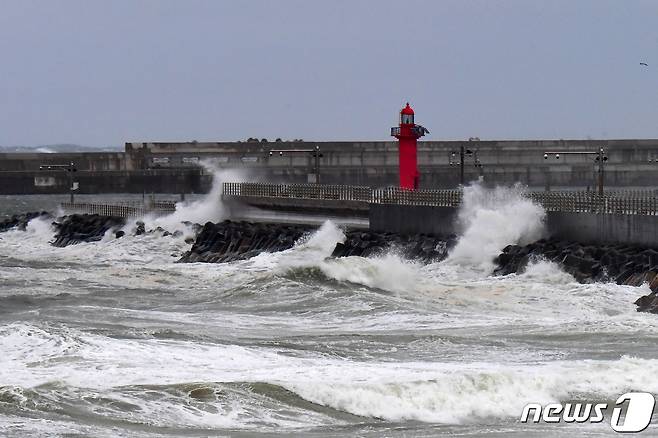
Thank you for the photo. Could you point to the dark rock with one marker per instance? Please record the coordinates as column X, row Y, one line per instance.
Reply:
column 576, row 264
column 79, row 228
column 339, row 250
column 621, row 278
column 647, row 303
column 424, row 248
column 228, row 241
column 140, row 229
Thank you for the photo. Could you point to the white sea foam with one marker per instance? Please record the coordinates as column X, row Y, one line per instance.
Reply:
column 545, row 271
column 40, row 228
column 396, row 391
column 311, row 250
column 490, row 219
column 388, row 272
column 456, row 396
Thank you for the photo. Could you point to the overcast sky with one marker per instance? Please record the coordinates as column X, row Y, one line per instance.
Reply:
column 101, row 73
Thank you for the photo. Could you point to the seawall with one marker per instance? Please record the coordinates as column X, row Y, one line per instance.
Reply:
column 156, row 166
column 590, row 228
column 631, row 162
column 192, row 180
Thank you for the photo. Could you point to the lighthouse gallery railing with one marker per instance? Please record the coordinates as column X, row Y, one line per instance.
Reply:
column 642, row 202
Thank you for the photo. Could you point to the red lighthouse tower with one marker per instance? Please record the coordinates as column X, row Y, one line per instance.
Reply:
column 408, row 133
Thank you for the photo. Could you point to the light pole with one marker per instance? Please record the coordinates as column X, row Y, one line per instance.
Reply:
column 314, row 152
column 70, row 168
column 601, row 158
column 463, row 153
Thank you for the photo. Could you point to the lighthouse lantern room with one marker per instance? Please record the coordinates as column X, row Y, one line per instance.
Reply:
column 408, row 134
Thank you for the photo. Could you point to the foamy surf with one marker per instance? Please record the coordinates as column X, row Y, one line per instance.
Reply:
column 457, row 396
column 433, row 392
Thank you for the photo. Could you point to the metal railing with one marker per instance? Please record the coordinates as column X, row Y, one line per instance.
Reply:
column 299, row 191
column 617, row 202
column 121, row 209
column 147, row 203
column 641, row 202
column 437, row 198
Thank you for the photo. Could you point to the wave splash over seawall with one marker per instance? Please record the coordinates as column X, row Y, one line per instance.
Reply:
column 491, row 219
column 209, row 208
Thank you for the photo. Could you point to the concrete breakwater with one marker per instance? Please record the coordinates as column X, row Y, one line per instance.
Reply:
column 624, row 264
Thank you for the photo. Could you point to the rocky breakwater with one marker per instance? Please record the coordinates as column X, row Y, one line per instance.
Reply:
column 624, row 264
column 77, row 228
column 421, row 247
column 20, row 221
column 228, row 241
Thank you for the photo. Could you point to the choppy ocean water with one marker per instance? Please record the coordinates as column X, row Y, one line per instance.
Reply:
column 114, row 338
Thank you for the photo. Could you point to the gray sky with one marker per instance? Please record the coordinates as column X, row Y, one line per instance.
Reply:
column 105, row 72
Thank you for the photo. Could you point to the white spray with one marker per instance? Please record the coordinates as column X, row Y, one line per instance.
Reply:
column 209, row 208
column 492, row 219
column 387, row 271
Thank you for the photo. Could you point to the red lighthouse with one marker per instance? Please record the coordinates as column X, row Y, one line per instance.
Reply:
column 408, row 133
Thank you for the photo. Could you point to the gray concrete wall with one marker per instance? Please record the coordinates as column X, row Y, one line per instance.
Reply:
column 631, row 162
column 413, row 219
column 604, row 228
column 333, row 208
column 578, row 227
column 91, row 161
column 149, row 181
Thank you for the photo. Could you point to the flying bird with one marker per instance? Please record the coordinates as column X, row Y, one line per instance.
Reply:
column 644, row 64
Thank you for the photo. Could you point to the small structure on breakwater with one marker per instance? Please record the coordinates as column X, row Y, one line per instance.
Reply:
column 408, row 133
